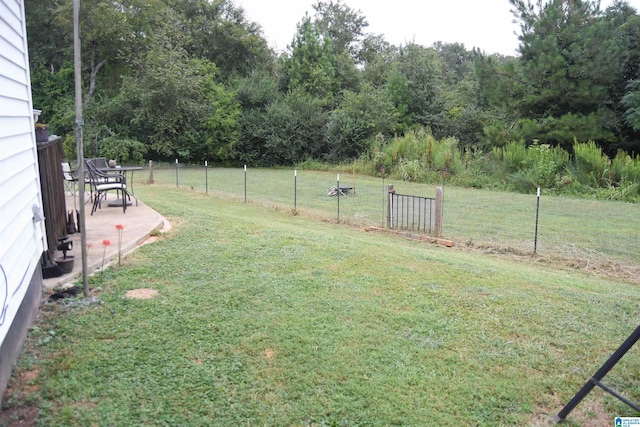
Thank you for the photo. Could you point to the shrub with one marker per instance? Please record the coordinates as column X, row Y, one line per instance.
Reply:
column 513, row 156
column 410, row 170
column 123, row 149
column 624, row 167
column 590, row 163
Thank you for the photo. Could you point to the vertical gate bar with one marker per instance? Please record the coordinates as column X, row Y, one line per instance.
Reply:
column 393, row 210
column 431, row 219
column 406, row 224
column 398, row 205
column 426, row 203
column 403, row 213
column 400, row 211
column 393, row 203
column 390, row 210
column 408, row 212
column 417, row 211
column 424, row 215
column 413, row 214
column 393, row 206
column 400, row 215
column 430, row 216
column 396, row 200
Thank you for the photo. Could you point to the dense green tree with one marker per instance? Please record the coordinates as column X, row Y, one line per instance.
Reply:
column 294, row 129
column 572, row 63
column 255, row 93
column 324, row 51
column 343, row 26
column 195, row 78
column 49, row 42
column 113, row 34
column 397, row 89
column 629, row 90
column 221, row 33
column 53, row 94
column 310, row 66
column 377, row 57
column 423, row 70
column 358, row 118
column 458, row 61
column 632, row 103
column 570, row 58
column 463, row 116
column 172, row 104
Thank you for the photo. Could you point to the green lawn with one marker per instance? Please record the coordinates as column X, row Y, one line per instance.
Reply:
column 269, row 318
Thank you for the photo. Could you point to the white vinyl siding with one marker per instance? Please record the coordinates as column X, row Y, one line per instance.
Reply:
column 22, row 238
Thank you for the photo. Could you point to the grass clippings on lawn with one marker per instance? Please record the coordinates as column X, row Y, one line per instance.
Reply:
column 141, row 293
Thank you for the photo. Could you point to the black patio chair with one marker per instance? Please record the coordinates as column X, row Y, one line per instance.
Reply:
column 70, row 181
column 102, row 182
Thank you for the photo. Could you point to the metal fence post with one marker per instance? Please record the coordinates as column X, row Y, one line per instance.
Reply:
column 535, row 239
column 438, row 220
column 338, row 179
column 390, row 192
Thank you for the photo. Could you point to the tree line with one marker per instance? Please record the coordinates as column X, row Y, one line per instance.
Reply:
column 196, row 80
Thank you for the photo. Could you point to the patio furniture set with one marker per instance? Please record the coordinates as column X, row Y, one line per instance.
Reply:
column 100, row 178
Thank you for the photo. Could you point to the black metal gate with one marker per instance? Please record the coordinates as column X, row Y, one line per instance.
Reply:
column 412, row 213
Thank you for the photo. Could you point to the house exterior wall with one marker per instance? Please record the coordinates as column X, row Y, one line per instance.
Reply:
column 22, row 233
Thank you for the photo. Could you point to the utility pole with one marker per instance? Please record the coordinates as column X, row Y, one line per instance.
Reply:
column 79, row 146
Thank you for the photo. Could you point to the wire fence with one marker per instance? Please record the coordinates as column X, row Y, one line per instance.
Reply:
column 577, row 228
column 286, row 189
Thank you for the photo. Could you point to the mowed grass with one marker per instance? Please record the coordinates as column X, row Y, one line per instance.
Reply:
column 268, row 318
column 591, row 233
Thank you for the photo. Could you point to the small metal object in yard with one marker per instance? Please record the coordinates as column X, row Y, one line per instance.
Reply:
column 383, row 169
column 150, row 171
column 64, row 245
column 595, row 380
column 338, row 179
column 535, row 240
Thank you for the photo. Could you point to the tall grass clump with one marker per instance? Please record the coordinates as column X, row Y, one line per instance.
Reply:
column 625, row 168
column 526, row 168
column 513, row 156
column 590, row 164
column 416, row 156
column 479, row 169
column 623, row 178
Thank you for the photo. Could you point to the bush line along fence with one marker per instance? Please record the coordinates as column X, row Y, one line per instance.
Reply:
column 471, row 216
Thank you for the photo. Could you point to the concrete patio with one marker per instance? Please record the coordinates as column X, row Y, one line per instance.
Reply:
column 139, row 223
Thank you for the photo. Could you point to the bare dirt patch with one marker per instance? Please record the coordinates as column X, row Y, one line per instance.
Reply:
column 589, row 413
column 23, row 416
column 601, row 267
column 141, row 293
column 20, row 414
column 269, row 353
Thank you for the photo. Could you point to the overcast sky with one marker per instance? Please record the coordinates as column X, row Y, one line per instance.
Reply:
column 486, row 24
